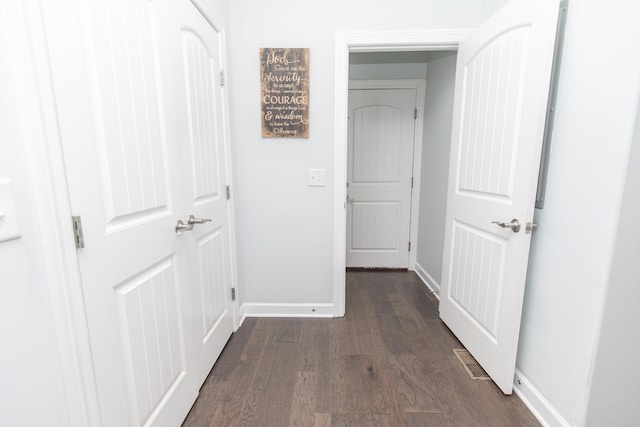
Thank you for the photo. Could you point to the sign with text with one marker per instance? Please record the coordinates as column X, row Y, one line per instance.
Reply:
column 284, row 80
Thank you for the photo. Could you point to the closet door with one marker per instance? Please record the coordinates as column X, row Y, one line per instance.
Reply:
column 129, row 116
column 194, row 71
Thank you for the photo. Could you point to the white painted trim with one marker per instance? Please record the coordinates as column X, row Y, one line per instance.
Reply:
column 537, row 404
column 433, row 286
column 397, row 41
column 242, row 312
column 365, row 41
column 38, row 113
column 420, row 85
column 287, row 310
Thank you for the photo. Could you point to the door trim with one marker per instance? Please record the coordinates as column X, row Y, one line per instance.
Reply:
column 365, row 41
column 420, row 86
column 38, row 113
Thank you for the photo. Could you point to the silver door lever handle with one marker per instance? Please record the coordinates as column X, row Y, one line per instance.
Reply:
column 193, row 220
column 514, row 225
column 181, row 227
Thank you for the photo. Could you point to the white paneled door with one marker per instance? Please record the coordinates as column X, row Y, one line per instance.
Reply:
column 139, row 112
column 201, row 139
column 380, row 164
column 502, row 83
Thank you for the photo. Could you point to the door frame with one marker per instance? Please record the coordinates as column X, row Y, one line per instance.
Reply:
column 365, row 41
column 38, row 114
column 420, row 87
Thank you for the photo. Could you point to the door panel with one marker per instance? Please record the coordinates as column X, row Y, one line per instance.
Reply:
column 149, row 317
column 502, row 82
column 380, row 163
column 129, row 115
column 492, row 83
column 199, row 73
column 375, row 159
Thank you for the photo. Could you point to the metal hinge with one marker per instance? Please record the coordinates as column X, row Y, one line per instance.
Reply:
column 409, row 246
column 222, row 78
column 233, row 294
column 228, row 189
column 415, row 114
column 411, row 182
column 77, row 231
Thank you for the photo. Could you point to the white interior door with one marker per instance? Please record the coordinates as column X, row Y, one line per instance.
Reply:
column 141, row 151
column 380, row 166
column 502, row 84
column 201, row 136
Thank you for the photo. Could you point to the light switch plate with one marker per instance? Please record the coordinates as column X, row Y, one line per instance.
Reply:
column 315, row 177
column 8, row 214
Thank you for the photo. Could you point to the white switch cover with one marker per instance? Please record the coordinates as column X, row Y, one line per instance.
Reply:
column 315, row 177
column 8, row 215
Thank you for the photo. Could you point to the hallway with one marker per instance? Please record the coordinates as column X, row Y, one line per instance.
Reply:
column 388, row 362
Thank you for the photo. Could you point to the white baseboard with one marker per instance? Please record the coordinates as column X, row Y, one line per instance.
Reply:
column 536, row 402
column 428, row 280
column 242, row 315
column 286, row 310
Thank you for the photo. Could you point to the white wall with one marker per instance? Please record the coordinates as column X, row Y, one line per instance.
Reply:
column 435, row 164
column 614, row 395
column 31, row 391
column 573, row 246
column 284, row 227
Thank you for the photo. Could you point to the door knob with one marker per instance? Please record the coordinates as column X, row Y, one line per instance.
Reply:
column 181, row 227
column 193, row 220
column 514, row 225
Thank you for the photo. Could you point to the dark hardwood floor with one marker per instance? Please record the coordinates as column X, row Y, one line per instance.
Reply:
column 388, row 362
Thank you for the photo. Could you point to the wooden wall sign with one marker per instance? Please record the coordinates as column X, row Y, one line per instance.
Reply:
column 284, row 80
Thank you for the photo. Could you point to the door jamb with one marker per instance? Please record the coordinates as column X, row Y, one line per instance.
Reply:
column 365, row 41
column 420, row 86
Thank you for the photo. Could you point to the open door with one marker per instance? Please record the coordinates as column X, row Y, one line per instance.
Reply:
column 502, row 86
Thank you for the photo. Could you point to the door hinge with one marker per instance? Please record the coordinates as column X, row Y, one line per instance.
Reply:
column 411, row 182
column 409, row 246
column 222, row 81
column 77, row 231
column 228, row 189
column 233, row 294
column 415, row 114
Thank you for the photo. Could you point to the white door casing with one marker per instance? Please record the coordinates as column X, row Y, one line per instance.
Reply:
column 118, row 73
column 380, row 169
column 502, row 85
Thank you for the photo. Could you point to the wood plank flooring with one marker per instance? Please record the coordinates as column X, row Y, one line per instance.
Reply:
column 388, row 362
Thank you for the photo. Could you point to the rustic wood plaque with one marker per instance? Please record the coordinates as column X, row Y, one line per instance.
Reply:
column 284, row 80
